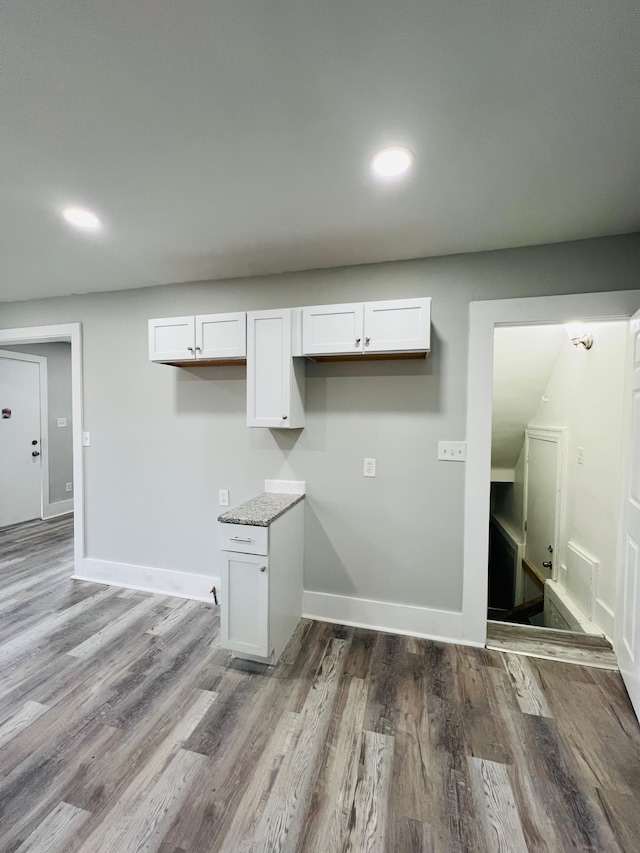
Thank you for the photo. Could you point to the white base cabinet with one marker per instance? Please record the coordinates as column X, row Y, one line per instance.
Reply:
column 203, row 338
column 390, row 326
column 261, row 594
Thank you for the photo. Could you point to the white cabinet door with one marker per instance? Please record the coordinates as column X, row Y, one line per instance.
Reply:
column 398, row 325
column 244, row 611
column 275, row 384
column 172, row 339
column 221, row 336
column 332, row 329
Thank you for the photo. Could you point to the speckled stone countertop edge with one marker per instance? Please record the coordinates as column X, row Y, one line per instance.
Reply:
column 260, row 511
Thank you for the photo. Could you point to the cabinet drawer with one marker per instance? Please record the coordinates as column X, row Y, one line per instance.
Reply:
column 244, row 538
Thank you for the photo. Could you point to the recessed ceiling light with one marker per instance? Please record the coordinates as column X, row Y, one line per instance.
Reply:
column 392, row 161
column 81, row 218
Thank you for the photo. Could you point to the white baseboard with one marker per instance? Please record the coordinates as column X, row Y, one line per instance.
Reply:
column 57, row 508
column 445, row 625
column 149, row 579
column 604, row 617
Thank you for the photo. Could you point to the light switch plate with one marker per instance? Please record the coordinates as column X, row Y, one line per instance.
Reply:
column 452, row 451
column 86, row 439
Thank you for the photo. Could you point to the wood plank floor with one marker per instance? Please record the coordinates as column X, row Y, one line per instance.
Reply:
column 124, row 727
column 565, row 646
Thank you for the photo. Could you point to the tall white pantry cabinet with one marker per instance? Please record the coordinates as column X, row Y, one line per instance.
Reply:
column 275, row 372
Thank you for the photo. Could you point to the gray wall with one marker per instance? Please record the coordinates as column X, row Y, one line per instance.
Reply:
column 58, row 357
column 164, row 440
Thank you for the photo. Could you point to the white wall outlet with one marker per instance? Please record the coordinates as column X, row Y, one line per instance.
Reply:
column 452, row 451
column 223, row 497
column 86, row 439
column 581, row 456
column 67, row 488
column 62, row 422
column 369, row 467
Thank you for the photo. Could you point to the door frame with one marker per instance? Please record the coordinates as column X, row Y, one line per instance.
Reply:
column 556, row 435
column 70, row 333
column 44, row 421
column 483, row 318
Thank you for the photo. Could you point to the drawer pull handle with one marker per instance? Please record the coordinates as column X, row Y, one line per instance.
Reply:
column 240, row 539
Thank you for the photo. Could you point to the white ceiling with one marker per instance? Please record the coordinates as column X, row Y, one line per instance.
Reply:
column 223, row 138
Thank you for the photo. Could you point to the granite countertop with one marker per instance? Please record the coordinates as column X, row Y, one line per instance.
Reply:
column 260, row 511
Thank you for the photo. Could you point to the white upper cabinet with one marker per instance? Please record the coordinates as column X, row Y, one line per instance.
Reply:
column 172, row 339
column 275, row 380
column 204, row 338
column 331, row 329
column 392, row 326
column 221, row 336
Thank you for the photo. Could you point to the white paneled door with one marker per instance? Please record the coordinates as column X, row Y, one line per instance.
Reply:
column 20, row 449
column 543, row 477
column 628, row 610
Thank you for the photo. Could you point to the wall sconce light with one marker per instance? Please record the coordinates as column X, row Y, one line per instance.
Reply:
column 579, row 335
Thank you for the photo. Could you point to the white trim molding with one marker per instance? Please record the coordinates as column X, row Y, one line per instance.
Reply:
column 148, row 579
column 406, row 619
column 483, row 318
column 58, row 508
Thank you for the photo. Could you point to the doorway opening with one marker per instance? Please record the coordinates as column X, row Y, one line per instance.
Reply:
column 556, row 477
column 41, row 390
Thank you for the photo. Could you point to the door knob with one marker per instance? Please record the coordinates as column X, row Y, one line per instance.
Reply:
column 35, row 453
column 547, row 564
column 284, row 417
column 35, row 441
column 263, row 568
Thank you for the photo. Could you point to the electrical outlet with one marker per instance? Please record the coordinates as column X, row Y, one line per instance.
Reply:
column 67, row 488
column 369, row 467
column 452, row 451
column 223, row 497
column 62, row 422
column 581, row 456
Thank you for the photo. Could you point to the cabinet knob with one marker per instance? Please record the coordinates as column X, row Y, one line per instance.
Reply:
column 284, row 417
column 190, row 349
column 358, row 341
column 35, row 453
column 263, row 568
column 198, row 349
column 367, row 341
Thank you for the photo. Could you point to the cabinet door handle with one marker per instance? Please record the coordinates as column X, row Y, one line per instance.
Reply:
column 263, row 568
column 367, row 341
column 240, row 539
column 358, row 341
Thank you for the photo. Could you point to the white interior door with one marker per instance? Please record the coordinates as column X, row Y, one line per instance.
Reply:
column 20, row 470
column 627, row 634
column 543, row 484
